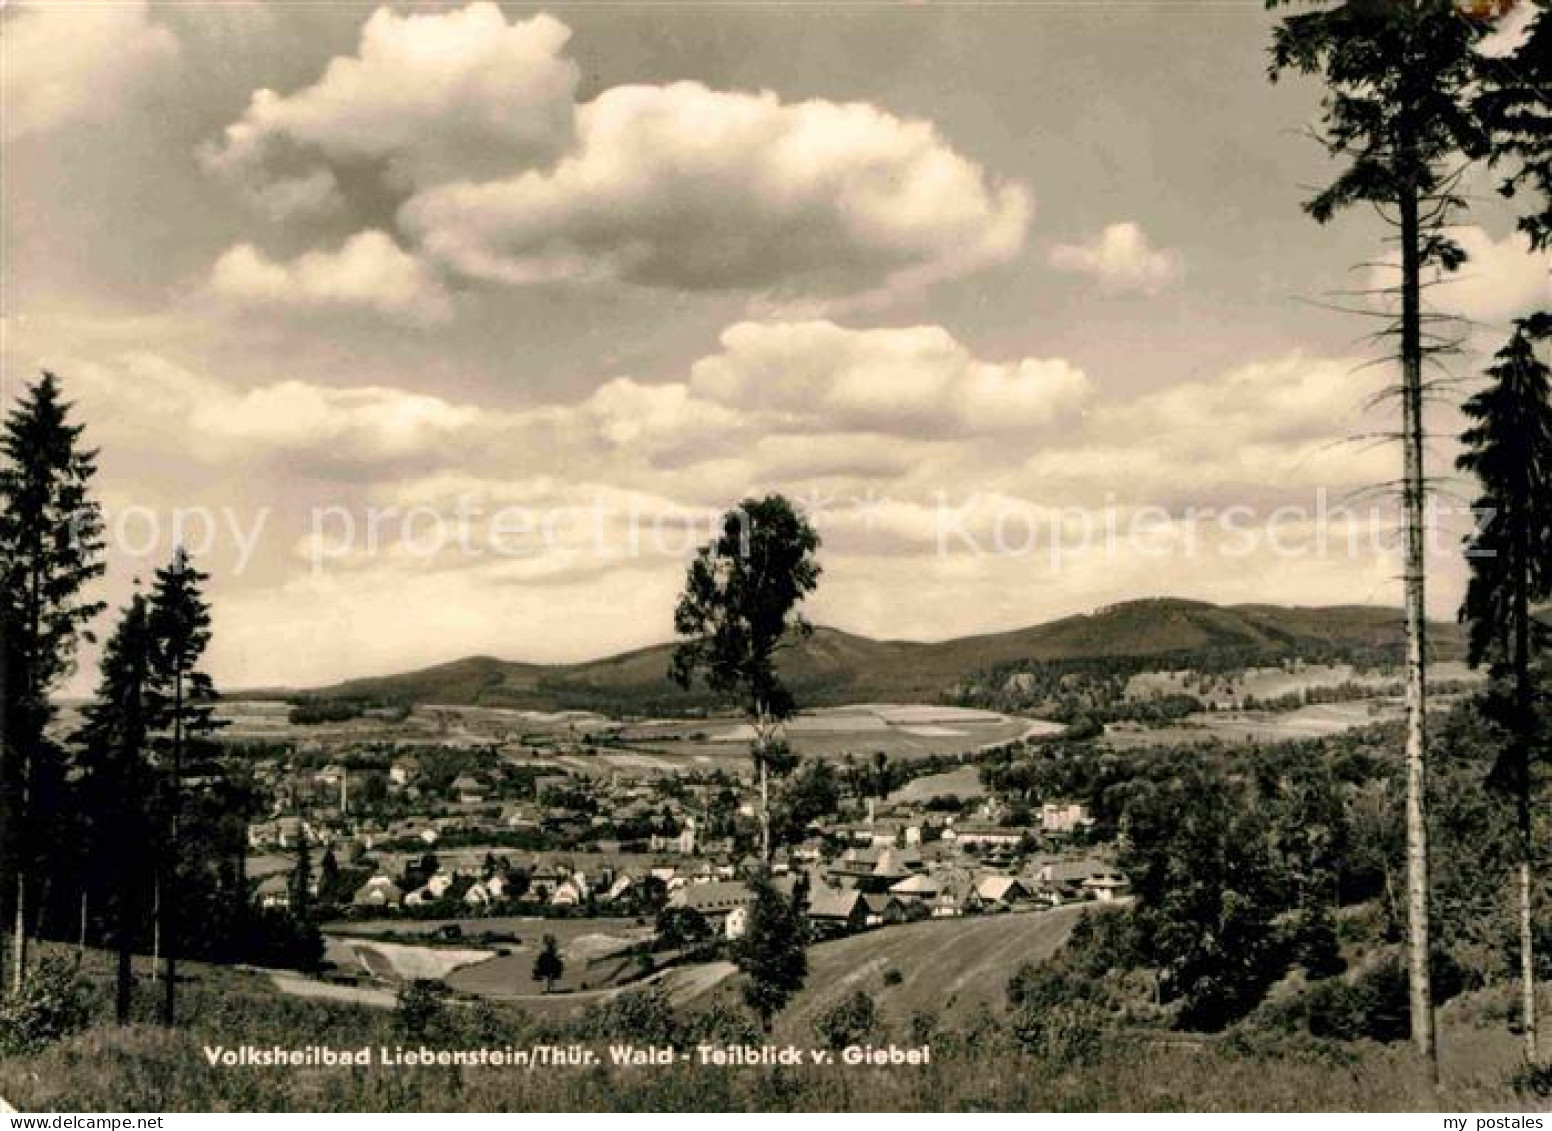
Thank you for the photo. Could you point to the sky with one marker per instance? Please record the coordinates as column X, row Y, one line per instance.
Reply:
column 439, row 330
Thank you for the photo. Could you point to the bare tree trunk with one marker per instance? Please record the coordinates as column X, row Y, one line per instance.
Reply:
column 1524, row 726
column 19, row 929
column 765, row 812
column 156, row 927
column 1527, row 967
column 169, row 907
column 1413, row 492
column 124, row 978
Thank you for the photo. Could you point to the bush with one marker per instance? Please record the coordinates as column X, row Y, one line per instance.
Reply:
column 1067, row 1035
column 420, row 1011
column 722, row 1023
column 51, row 1004
column 644, row 1015
column 1373, row 1005
column 893, row 977
column 1057, row 1015
column 1102, row 941
column 849, row 1022
column 1533, row 1081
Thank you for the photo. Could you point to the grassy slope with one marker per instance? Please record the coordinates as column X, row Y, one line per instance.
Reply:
column 952, row 966
column 837, row 667
column 148, row 1069
column 945, row 966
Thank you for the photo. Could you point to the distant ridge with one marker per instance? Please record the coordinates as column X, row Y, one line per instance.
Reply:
column 834, row 667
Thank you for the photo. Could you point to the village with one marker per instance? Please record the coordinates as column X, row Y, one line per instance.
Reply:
column 424, row 842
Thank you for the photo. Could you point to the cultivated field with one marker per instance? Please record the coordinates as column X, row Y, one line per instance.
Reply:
column 1273, row 683
column 901, row 731
column 1316, row 721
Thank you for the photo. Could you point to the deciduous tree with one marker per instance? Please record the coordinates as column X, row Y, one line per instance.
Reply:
column 737, row 610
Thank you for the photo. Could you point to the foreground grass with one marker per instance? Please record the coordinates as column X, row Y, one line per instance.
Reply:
column 976, row 1066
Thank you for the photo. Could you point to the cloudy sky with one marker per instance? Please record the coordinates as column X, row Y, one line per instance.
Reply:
column 446, row 330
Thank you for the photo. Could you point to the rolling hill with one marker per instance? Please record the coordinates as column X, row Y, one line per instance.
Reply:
column 833, row 667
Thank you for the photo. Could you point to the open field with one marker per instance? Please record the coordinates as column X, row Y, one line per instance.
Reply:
column 399, row 962
column 964, row 782
column 902, row 731
column 1273, row 683
column 587, row 946
column 524, row 927
column 1316, row 721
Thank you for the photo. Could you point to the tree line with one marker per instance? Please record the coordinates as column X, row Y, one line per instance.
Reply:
column 129, row 827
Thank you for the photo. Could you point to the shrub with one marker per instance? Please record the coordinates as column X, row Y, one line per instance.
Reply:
column 722, row 1023
column 1057, row 1015
column 420, row 1010
column 1066, row 1035
column 1373, row 1005
column 1533, row 1081
column 849, row 1022
column 1102, row 941
column 893, row 977
column 644, row 1015
column 51, row 1004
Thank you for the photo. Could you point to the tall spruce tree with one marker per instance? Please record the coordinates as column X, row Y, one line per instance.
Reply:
column 1508, row 447
column 1399, row 80
column 116, row 782
column 50, row 549
column 301, row 892
column 1518, row 113
column 183, row 699
column 738, row 609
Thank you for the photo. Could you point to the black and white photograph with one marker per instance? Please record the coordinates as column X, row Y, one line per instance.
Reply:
column 922, row 557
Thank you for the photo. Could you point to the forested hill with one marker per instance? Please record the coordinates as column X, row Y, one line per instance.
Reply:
column 834, row 667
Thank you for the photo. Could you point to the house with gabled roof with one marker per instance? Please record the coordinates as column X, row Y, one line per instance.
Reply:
column 379, row 891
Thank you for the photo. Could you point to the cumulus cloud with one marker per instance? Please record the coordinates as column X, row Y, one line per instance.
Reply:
column 436, row 96
column 500, row 175
column 1501, row 280
column 1292, row 422
column 685, row 187
column 914, row 380
column 369, row 271
column 70, row 63
column 144, row 400
column 854, row 405
column 1121, row 259
column 611, row 491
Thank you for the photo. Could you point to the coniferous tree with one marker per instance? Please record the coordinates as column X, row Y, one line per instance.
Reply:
column 302, row 880
column 1508, row 447
column 1399, row 78
column 548, row 965
column 1516, row 110
column 183, row 698
column 737, row 611
column 328, row 876
column 115, row 780
column 50, row 549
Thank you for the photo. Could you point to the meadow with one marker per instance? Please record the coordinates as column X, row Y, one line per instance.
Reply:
column 977, row 1063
